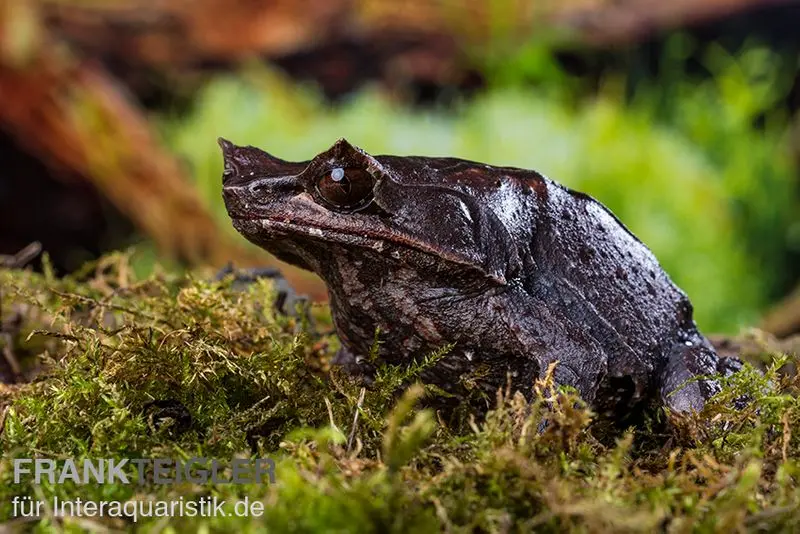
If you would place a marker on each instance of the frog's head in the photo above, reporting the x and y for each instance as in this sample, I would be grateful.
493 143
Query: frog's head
392 209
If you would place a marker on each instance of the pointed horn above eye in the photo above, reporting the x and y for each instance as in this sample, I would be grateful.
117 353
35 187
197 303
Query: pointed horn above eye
342 142
246 155
346 155
225 145
342 148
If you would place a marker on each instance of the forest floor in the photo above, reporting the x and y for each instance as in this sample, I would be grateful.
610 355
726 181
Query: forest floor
108 366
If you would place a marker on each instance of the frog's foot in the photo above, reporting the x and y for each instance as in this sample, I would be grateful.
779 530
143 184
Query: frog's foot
286 298
355 365
247 275
682 389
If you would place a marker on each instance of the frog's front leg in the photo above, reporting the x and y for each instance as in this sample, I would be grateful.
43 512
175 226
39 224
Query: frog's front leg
682 389
354 364
286 298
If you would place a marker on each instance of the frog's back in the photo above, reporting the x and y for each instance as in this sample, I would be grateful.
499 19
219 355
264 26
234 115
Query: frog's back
583 261
609 280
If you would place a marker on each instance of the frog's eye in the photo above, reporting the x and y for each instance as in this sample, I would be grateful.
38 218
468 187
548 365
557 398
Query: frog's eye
346 188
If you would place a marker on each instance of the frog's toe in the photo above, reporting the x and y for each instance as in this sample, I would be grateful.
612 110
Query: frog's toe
354 365
286 298
684 387
729 365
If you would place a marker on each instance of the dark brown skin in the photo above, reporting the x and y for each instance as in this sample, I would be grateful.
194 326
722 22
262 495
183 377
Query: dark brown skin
515 270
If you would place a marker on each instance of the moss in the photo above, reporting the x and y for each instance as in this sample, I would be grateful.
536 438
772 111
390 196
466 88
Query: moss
177 366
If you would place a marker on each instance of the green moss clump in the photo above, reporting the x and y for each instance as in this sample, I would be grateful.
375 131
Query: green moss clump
176 366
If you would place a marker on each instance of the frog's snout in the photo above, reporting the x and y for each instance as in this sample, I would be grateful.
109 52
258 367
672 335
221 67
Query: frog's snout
229 169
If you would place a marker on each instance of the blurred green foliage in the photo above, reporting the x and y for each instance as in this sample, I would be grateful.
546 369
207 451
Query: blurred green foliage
697 167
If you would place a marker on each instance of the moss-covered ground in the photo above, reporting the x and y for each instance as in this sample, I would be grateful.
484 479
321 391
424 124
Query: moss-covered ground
177 366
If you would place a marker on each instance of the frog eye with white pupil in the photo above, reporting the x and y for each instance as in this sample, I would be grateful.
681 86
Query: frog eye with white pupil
346 188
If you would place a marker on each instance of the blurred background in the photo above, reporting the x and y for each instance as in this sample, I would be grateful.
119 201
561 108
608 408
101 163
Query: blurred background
680 116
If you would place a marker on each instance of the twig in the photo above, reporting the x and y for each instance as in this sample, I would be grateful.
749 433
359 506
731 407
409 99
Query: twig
330 416
787 436
17 261
9 356
355 419
21 258
3 420
117 307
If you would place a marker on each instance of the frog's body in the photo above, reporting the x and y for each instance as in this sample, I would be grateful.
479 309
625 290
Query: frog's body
513 269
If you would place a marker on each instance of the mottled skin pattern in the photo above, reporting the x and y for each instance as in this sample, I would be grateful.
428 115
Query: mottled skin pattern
513 269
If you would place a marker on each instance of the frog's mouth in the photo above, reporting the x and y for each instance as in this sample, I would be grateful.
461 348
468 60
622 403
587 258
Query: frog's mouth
299 217
267 229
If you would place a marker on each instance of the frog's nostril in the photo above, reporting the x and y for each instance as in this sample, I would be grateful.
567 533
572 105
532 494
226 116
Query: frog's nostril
230 192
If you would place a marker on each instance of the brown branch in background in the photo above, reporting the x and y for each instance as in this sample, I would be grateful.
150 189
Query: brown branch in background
180 33
175 37
784 319
72 114
21 258
611 23
341 44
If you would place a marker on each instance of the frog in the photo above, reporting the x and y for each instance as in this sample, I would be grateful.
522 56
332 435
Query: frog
518 276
